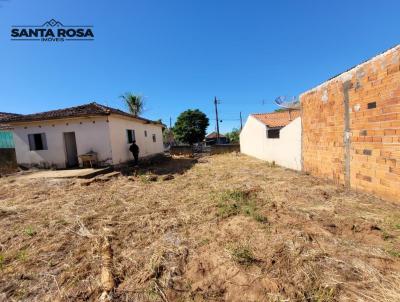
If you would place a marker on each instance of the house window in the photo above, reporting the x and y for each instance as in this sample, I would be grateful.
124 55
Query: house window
145 133
130 134
154 138
273 133
37 141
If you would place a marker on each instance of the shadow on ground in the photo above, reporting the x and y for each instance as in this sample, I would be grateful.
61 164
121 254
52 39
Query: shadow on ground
162 165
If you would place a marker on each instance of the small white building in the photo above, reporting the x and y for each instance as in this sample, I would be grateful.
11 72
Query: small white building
57 138
274 137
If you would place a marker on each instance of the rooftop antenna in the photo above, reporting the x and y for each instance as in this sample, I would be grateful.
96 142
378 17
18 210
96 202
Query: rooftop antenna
288 102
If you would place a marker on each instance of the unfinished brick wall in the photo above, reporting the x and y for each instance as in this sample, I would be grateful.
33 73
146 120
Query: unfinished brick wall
351 127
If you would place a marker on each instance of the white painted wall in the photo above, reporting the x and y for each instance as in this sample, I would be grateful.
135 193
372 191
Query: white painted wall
285 151
91 133
120 147
104 135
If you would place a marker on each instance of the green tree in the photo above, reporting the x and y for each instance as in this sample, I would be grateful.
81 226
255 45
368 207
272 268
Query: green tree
134 102
233 136
190 126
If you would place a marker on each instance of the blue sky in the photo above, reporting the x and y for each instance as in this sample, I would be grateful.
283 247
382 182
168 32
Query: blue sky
180 54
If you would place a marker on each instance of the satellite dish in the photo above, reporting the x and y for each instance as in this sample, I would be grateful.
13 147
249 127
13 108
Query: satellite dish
287 102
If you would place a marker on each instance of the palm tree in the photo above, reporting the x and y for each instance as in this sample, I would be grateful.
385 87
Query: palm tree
134 102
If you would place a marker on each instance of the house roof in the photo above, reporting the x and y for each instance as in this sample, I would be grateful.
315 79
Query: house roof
3 117
78 111
214 135
277 119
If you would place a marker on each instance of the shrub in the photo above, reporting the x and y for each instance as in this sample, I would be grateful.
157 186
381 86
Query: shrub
243 255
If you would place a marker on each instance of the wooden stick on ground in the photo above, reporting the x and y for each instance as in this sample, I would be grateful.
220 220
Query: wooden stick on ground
107 278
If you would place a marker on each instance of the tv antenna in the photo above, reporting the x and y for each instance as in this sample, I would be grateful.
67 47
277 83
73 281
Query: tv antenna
291 103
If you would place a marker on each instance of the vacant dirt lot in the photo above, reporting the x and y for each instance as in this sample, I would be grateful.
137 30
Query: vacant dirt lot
227 228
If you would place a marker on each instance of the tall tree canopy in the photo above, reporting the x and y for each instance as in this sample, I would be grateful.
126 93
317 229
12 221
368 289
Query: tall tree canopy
233 136
190 127
134 102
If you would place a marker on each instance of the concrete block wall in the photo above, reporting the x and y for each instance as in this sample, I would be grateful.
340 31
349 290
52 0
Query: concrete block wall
351 127
220 149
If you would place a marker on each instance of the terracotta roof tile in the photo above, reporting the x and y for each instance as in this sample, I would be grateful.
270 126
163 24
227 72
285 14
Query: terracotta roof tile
78 111
277 119
3 117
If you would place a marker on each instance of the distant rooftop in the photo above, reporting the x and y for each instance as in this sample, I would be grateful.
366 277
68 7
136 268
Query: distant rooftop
214 135
277 119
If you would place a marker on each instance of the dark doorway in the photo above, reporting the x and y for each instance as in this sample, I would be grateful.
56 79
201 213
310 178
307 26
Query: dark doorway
70 149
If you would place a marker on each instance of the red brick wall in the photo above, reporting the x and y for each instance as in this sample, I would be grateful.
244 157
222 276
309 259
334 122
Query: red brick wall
372 161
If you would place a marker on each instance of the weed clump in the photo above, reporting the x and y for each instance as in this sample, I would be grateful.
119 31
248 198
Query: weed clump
323 294
30 231
394 253
235 202
260 218
386 236
271 164
242 255
22 255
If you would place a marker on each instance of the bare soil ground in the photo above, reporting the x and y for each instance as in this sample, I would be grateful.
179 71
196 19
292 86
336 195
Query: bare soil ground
227 228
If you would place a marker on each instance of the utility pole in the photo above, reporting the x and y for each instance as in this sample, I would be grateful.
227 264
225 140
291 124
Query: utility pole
241 124
216 117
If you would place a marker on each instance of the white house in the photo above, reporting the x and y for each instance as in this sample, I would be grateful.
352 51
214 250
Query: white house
57 138
273 137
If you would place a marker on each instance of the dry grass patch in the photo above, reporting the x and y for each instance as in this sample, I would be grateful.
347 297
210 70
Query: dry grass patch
228 228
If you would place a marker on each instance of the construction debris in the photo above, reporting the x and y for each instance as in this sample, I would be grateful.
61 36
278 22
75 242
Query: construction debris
168 177
107 279
151 177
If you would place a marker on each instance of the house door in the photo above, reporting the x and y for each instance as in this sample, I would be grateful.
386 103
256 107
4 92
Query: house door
70 149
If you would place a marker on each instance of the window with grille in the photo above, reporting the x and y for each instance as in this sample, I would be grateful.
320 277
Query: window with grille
130 134
273 133
37 141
